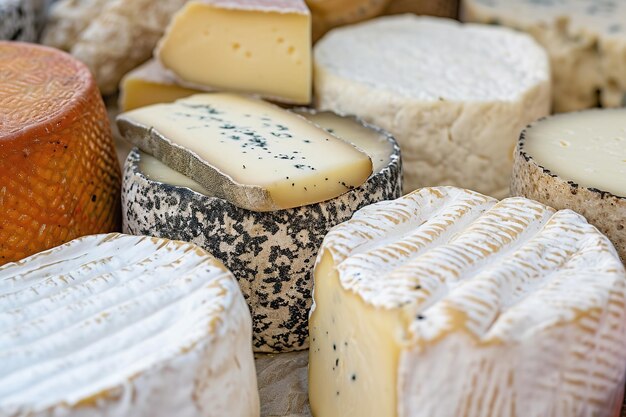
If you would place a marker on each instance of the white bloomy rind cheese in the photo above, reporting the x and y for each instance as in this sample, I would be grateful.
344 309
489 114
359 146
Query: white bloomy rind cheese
271 253
250 46
449 303
454 96
585 40
578 161
117 325
252 153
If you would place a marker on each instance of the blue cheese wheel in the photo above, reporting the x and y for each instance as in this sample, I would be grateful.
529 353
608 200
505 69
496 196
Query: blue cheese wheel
20 20
270 253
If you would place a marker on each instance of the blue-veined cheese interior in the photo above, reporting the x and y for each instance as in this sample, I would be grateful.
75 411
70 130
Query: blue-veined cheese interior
587 148
448 303
373 143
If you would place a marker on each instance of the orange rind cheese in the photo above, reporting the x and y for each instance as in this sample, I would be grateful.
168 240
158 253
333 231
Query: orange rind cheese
59 176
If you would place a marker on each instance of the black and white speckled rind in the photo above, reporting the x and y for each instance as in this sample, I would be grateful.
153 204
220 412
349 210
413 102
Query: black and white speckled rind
271 253
20 20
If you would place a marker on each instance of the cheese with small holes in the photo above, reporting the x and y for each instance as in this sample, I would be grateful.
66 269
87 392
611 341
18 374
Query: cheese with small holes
118 325
270 253
252 153
455 96
150 84
578 161
449 303
59 175
248 46
585 40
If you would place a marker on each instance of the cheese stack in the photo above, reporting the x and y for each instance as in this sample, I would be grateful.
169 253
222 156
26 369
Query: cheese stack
455 96
585 39
270 252
578 161
59 176
250 46
116 325
449 303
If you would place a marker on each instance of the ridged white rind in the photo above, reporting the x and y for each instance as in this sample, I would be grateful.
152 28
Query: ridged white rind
515 308
117 325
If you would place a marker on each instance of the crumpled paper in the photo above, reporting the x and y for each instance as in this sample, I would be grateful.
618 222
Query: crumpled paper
283 384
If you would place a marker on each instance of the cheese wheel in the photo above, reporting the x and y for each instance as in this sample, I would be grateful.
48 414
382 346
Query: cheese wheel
271 253
59 176
117 325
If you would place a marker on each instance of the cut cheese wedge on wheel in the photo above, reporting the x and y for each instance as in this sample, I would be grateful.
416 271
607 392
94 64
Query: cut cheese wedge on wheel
449 303
118 325
247 151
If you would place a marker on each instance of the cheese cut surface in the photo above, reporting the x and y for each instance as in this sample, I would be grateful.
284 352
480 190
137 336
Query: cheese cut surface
455 96
270 253
578 161
59 176
124 325
250 152
150 84
446 302
585 40
262 47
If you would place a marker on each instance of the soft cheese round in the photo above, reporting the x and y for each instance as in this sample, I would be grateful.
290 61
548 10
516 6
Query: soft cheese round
585 39
121 325
578 161
455 96
515 308
270 253
59 175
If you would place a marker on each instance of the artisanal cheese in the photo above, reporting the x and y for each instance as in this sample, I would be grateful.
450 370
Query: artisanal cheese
270 253
20 20
442 8
578 161
455 96
328 14
585 40
116 325
251 46
111 36
252 153
59 177
448 303
150 84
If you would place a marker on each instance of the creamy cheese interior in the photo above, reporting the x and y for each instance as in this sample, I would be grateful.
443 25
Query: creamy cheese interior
371 142
588 148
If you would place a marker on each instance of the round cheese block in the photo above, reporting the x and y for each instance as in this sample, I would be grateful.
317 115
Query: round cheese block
20 20
59 176
455 96
117 325
578 161
449 303
270 253
585 40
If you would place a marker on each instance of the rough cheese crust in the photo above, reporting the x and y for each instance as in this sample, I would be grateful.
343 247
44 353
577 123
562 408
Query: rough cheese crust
101 326
455 96
585 39
604 210
271 254
514 308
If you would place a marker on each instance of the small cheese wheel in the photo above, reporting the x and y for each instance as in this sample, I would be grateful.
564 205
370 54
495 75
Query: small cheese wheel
59 176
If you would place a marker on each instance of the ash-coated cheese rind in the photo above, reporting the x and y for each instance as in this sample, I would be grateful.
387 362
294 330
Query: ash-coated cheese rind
454 96
446 302
247 151
20 20
262 47
585 40
271 253
117 325
577 161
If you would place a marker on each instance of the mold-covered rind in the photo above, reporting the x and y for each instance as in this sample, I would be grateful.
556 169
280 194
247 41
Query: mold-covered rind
604 210
271 253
